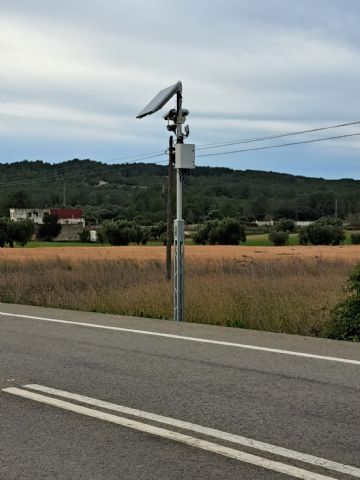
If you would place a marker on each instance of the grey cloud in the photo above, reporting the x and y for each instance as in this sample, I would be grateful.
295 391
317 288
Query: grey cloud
247 66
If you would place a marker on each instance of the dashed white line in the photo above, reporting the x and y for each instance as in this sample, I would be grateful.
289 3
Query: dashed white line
185 338
211 432
174 436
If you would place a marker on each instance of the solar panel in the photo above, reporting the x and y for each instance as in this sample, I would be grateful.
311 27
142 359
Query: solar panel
160 100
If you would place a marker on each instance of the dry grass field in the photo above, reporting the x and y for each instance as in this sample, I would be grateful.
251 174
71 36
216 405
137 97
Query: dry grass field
282 289
346 252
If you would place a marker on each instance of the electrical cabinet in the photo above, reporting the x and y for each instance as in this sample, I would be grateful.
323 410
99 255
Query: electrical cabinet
185 155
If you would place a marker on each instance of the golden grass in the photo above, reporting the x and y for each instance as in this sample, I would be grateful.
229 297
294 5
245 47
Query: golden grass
289 294
209 252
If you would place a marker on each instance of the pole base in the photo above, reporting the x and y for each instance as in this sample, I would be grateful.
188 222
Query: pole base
179 241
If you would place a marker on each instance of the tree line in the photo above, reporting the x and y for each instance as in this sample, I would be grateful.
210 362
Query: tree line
137 192
22 231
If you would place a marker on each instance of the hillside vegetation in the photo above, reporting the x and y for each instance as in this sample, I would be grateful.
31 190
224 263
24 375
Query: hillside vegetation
138 191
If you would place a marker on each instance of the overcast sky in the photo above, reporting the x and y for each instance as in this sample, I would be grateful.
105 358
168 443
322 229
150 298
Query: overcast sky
75 73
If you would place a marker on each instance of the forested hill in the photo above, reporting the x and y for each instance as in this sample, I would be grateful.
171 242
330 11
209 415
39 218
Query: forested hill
138 191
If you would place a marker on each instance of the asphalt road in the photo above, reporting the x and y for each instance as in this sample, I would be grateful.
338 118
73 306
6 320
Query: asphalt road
287 392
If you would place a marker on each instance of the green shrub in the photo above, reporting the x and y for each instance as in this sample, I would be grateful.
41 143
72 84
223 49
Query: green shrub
279 238
19 232
285 225
226 231
50 228
344 321
303 237
22 231
355 238
84 236
201 234
325 231
123 232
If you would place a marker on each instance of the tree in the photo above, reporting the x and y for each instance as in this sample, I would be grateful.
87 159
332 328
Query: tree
3 232
279 238
84 236
201 233
259 207
123 232
19 199
15 232
355 238
117 233
285 210
50 228
303 236
22 231
285 225
325 231
226 231
157 231
214 215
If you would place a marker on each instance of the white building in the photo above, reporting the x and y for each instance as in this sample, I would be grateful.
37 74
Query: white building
66 216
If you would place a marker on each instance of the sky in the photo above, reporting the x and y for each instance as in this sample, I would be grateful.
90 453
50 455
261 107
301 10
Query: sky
74 75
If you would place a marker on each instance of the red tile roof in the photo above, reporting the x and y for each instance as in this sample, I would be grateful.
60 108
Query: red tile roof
66 213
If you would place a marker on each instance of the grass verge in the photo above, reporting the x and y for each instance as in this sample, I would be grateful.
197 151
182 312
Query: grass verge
288 295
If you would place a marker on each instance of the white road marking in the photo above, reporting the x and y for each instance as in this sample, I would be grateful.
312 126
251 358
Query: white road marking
170 435
211 432
189 339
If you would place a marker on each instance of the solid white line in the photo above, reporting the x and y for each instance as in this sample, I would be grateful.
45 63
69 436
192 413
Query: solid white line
189 339
247 442
170 435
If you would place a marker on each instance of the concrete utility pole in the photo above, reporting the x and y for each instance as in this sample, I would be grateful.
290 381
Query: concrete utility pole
179 224
169 207
184 160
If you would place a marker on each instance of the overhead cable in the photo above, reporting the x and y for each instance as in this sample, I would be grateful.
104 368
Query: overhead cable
268 147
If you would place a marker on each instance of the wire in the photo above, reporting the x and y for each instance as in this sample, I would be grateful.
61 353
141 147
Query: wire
71 174
267 147
272 137
279 145
145 156
138 156
70 168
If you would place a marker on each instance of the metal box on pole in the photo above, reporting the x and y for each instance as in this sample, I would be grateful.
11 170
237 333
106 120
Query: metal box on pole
185 156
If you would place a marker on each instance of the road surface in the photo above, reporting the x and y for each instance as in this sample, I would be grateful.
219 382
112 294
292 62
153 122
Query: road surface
92 396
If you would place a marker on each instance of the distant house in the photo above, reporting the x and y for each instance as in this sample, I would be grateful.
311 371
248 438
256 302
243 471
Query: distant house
71 219
69 216
66 216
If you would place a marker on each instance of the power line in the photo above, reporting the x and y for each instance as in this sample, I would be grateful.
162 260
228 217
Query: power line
145 156
272 137
68 171
279 145
137 157
244 140
71 174
267 147
70 168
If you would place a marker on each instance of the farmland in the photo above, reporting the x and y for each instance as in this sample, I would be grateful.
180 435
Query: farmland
348 253
284 289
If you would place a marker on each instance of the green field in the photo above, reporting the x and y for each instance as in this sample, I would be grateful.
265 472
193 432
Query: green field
261 240
36 244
